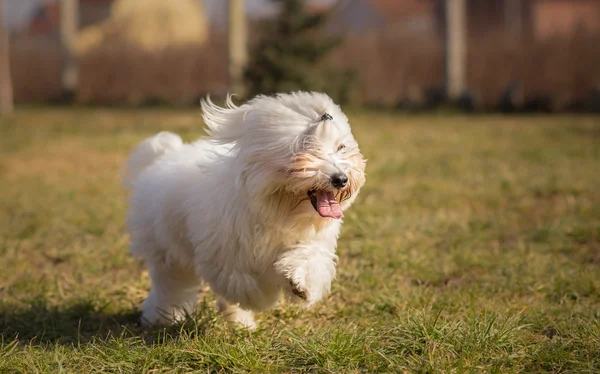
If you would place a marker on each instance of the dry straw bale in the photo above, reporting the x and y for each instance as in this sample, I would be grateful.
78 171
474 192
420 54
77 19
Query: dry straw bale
149 25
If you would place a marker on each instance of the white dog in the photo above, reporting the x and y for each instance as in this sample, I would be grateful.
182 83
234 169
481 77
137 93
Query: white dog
254 209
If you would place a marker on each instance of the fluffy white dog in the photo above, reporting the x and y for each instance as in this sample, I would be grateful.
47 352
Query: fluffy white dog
254 209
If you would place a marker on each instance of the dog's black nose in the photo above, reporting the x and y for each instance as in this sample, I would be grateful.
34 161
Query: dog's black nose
339 180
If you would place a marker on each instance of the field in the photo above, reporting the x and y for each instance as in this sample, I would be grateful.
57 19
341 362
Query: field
474 246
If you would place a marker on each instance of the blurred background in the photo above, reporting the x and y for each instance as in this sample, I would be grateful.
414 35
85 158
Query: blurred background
474 244
477 55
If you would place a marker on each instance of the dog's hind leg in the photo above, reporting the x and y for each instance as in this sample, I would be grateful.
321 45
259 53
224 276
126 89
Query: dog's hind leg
233 313
173 295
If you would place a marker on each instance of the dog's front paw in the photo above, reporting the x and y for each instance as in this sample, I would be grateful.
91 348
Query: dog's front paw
307 274
299 291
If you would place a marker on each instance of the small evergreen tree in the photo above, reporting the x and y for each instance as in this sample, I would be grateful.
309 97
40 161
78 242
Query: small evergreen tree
290 54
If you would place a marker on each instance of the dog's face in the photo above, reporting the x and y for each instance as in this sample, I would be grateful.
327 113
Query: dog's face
298 146
326 169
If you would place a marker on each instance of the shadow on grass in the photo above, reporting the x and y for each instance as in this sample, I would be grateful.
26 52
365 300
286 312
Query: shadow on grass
85 321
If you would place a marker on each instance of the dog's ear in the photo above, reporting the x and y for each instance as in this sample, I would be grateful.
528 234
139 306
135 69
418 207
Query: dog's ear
225 124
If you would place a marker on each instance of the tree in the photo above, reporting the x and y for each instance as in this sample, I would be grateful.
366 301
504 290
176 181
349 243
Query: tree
291 53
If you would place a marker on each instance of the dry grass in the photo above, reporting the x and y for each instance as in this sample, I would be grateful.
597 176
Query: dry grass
473 247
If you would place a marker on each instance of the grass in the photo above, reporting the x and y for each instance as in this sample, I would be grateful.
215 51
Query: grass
474 247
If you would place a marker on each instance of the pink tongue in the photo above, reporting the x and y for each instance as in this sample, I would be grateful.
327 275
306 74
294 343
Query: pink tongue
327 205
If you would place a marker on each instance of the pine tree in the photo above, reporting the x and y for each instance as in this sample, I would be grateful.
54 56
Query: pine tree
291 52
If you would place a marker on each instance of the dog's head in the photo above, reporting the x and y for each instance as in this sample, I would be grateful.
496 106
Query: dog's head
326 166
297 146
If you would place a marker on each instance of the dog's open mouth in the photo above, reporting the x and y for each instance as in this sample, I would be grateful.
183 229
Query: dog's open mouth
325 204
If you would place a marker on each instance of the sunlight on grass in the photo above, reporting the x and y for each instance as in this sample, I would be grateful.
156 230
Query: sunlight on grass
474 246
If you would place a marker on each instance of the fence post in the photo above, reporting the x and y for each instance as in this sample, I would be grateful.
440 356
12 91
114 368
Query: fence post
237 45
456 48
69 23
513 19
6 92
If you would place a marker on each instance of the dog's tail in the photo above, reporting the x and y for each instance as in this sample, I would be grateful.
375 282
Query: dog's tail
146 153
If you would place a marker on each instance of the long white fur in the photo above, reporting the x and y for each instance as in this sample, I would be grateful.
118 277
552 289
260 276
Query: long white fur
230 208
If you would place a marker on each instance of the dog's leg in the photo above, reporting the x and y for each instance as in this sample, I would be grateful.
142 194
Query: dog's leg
233 313
309 272
173 295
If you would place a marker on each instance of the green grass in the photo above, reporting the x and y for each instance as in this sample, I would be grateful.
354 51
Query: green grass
474 246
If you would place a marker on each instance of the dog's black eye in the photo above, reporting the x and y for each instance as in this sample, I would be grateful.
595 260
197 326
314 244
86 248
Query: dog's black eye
340 147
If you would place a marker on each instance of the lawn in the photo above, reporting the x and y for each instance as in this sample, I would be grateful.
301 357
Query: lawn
474 246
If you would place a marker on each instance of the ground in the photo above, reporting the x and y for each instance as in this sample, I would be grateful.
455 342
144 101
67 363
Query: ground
474 246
